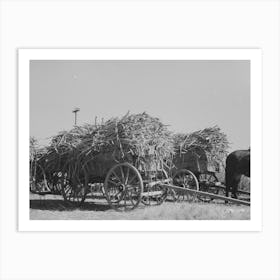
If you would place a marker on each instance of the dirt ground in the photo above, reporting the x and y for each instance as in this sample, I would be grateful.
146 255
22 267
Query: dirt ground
52 207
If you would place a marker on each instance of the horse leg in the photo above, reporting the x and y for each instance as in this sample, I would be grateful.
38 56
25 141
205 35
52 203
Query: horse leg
235 185
227 192
228 181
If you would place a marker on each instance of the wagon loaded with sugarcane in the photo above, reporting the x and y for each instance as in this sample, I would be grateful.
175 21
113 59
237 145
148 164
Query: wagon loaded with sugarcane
135 158
129 156
201 156
200 160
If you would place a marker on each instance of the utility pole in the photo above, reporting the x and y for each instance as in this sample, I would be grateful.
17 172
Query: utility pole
75 111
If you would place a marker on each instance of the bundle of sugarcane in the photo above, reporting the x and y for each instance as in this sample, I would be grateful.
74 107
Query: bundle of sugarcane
211 140
32 148
138 135
64 148
67 141
35 151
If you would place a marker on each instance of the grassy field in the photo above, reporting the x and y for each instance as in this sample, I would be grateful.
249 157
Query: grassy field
52 207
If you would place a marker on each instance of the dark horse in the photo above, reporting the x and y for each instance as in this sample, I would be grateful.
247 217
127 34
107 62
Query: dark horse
237 164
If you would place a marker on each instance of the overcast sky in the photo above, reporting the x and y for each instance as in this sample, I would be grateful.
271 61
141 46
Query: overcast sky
187 95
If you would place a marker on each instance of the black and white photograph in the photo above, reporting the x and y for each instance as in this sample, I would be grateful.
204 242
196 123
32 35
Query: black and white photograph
140 139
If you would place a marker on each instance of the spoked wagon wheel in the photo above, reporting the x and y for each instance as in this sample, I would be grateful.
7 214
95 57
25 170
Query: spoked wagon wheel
123 187
207 183
154 193
186 180
74 189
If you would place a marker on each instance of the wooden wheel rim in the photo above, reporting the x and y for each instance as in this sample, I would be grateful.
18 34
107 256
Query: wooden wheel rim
123 187
187 180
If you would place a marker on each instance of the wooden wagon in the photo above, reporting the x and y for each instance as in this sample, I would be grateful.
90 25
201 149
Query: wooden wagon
201 171
127 181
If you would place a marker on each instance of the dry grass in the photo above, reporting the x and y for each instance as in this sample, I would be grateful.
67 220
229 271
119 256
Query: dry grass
53 208
197 211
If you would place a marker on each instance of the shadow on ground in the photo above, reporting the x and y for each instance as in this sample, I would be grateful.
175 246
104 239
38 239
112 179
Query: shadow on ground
61 205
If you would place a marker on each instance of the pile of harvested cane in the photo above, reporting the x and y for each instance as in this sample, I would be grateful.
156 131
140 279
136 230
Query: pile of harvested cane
138 135
35 151
32 148
211 140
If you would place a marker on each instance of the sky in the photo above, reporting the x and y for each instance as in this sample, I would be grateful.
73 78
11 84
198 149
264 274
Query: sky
188 95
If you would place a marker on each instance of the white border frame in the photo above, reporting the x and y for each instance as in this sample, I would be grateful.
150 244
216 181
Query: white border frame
24 57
